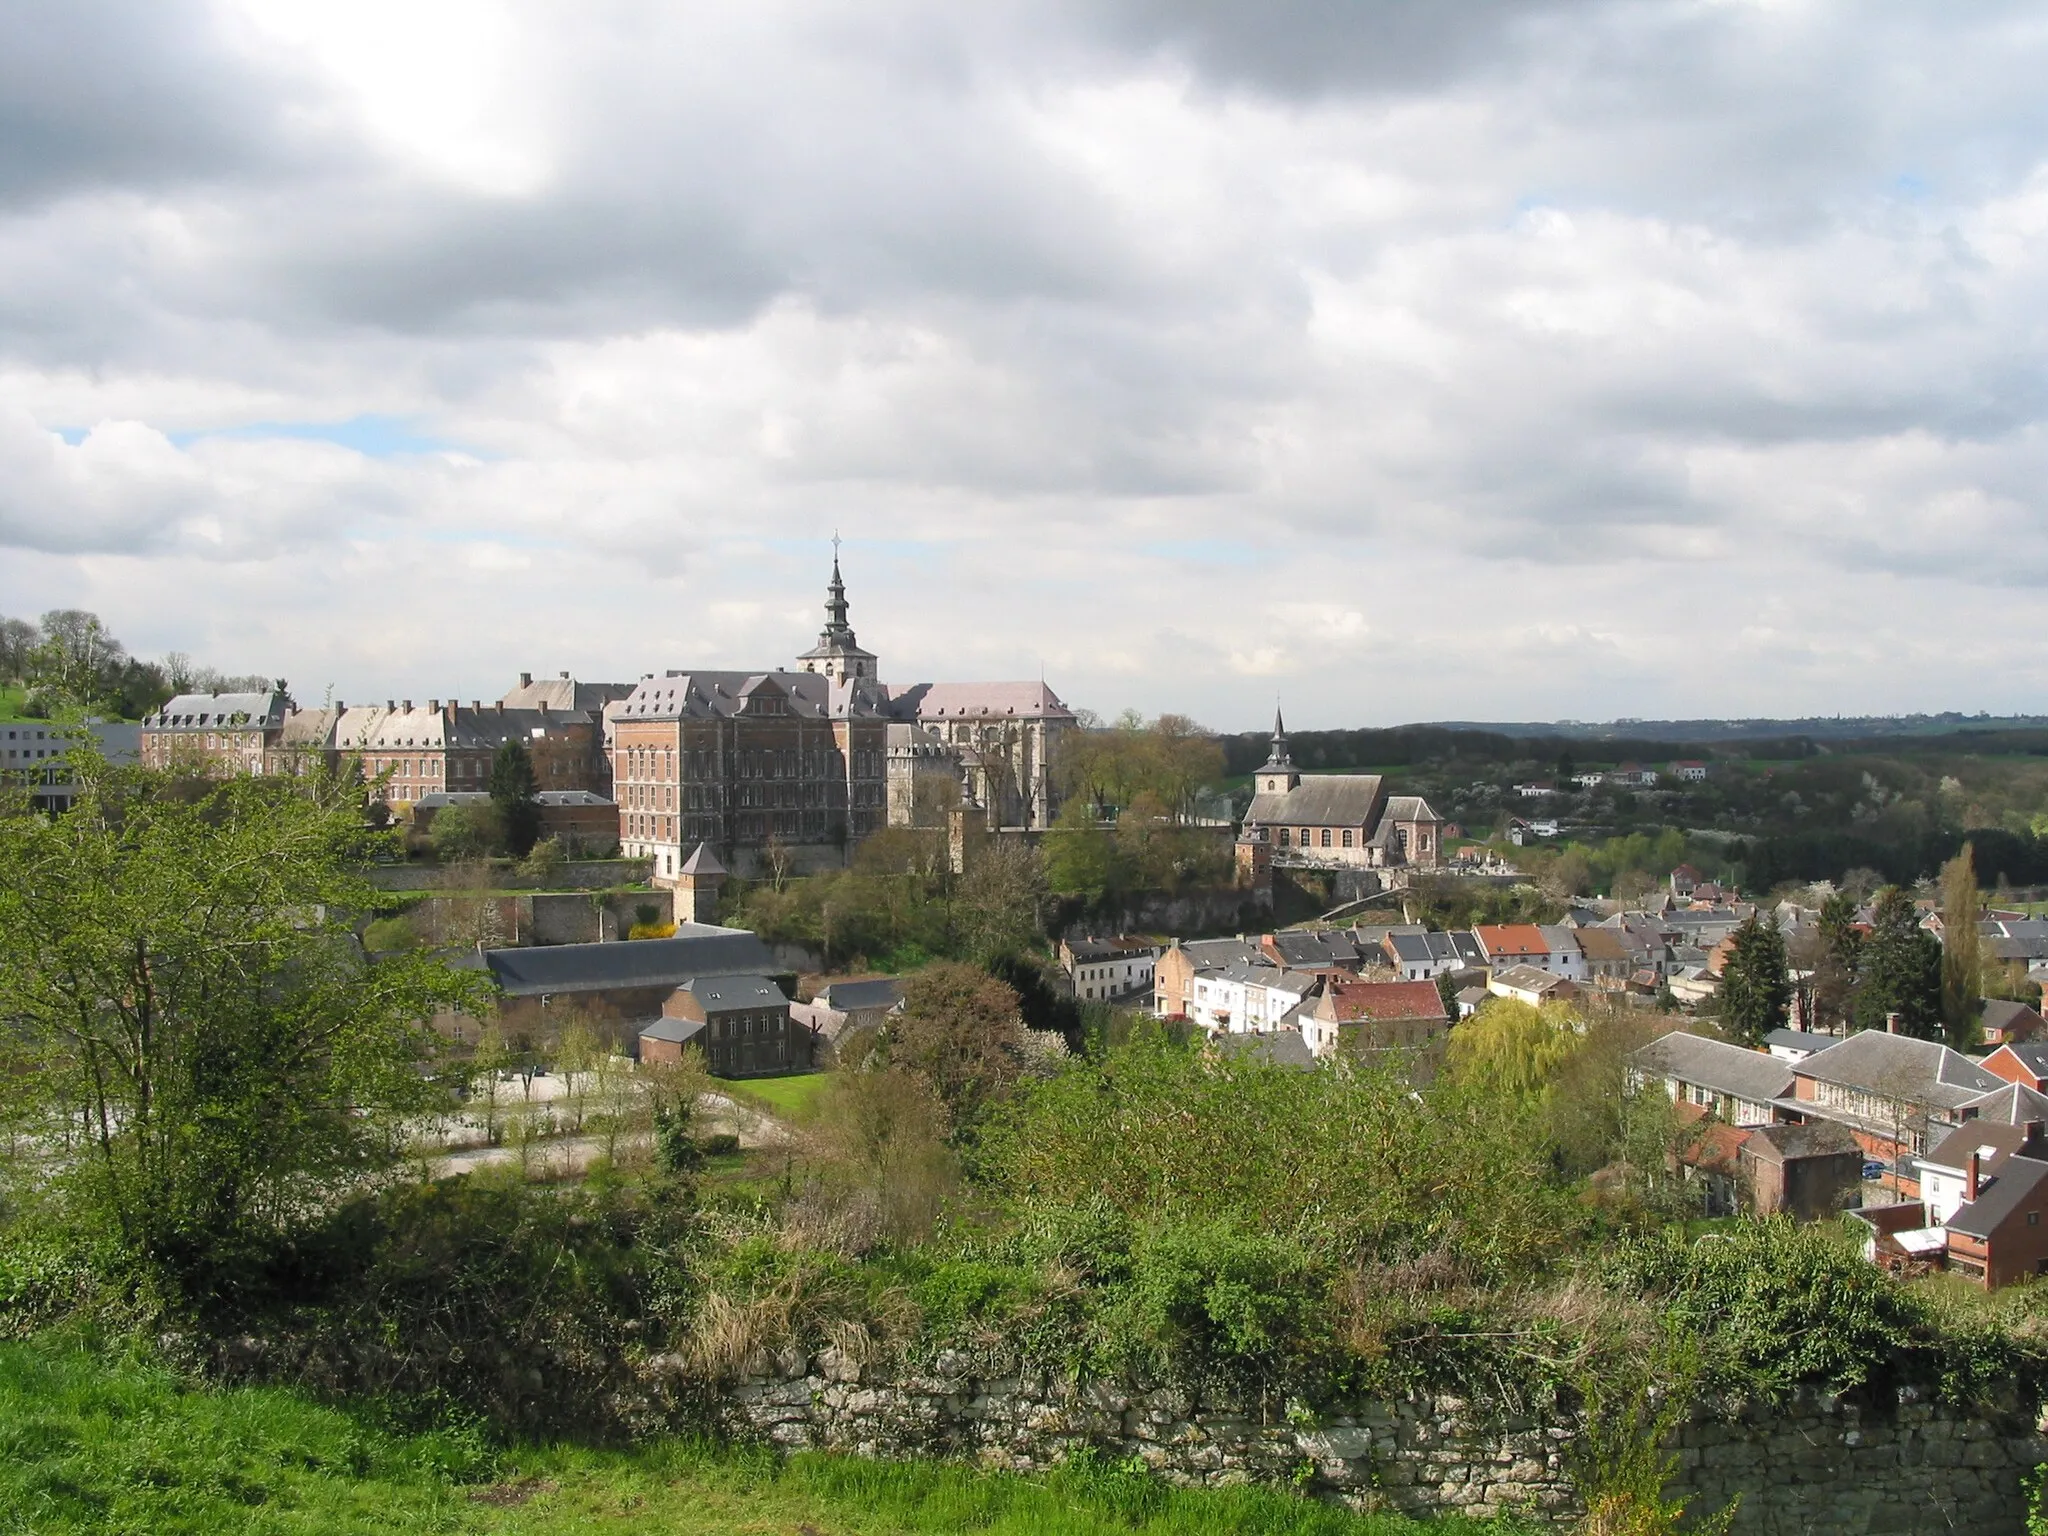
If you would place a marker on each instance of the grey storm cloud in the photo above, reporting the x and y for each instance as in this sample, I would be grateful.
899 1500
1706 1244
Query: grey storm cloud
1153 316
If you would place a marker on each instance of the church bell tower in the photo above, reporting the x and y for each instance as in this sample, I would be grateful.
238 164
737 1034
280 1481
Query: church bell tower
837 654
1278 774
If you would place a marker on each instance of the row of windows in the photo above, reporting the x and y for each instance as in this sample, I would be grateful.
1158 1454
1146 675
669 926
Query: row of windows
1305 838
658 763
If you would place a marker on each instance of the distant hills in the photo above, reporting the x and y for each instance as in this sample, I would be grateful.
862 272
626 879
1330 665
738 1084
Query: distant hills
1812 727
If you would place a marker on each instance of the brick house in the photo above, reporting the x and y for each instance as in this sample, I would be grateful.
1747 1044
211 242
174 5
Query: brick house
447 748
1896 1094
1173 975
749 763
741 1023
1375 1016
620 985
224 733
2025 1063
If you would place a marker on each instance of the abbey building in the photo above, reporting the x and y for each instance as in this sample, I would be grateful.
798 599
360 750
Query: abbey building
794 768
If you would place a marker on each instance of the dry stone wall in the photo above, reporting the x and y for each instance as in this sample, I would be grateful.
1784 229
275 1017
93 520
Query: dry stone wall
1819 1464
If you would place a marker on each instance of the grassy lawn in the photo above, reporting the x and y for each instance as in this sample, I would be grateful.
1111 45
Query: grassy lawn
788 1096
11 700
89 1444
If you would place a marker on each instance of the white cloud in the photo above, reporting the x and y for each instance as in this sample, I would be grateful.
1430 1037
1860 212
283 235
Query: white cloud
1417 362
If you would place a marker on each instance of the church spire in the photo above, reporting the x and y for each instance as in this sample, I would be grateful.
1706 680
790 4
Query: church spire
835 602
1278 758
837 654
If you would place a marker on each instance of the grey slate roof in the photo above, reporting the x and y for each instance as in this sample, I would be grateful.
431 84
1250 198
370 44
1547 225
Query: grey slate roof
935 703
1321 800
1715 1064
1818 1138
216 711
732 994
1299 947
675 1031
698 949
1994 1140
702 862
2017 1186
2014 1104
1801 1040
848 996
1901 1067
706 695
1214 954
1280 1047
2002 1014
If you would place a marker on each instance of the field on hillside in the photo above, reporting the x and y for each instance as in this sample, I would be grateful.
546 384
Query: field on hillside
93 1444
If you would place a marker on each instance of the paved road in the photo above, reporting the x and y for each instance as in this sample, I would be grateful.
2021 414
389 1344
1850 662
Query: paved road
568 1156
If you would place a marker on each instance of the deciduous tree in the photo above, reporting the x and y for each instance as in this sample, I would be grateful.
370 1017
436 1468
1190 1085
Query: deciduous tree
178 959
1962 951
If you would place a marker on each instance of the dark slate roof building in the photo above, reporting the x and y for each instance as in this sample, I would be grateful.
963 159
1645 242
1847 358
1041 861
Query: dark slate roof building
698 949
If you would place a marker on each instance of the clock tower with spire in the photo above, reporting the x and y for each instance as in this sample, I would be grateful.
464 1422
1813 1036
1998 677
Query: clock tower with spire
837 654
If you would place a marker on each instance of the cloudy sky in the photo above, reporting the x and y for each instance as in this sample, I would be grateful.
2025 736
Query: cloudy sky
1401 359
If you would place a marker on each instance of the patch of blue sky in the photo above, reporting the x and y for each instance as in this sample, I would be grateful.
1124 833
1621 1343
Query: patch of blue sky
375 437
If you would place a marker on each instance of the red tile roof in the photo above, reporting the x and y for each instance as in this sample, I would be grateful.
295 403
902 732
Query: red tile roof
1354 1002
1512 940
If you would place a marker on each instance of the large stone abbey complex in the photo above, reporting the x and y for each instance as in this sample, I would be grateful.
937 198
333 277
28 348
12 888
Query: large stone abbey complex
805 763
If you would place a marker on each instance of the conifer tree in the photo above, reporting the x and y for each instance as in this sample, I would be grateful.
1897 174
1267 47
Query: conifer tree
1900 971
516 793
1755 990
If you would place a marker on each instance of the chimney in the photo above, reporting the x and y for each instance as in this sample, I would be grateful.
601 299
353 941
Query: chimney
499 706
543 706
1891 1023
391 704
1976 1175
2032 1146
477 705
434 705
526 679
339 706
565 677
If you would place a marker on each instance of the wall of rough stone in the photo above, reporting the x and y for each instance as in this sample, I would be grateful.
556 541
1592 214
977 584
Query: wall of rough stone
1819 1464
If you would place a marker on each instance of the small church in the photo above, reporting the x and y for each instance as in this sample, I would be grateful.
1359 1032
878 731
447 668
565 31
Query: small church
1337 819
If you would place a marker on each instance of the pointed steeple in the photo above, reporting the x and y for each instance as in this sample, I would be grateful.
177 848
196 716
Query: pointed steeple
837 654
1278 757
1278 775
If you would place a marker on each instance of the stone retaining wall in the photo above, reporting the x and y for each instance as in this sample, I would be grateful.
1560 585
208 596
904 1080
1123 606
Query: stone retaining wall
1819 1465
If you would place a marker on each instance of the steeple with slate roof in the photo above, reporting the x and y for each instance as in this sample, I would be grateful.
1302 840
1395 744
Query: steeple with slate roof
838 655
1279 774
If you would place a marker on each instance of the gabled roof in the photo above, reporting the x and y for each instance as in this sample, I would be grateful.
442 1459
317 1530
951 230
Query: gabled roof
2003 1015
698 949
1512 940
1817 1138
1715 1064
1529 978
1601 946
2017 1186
1993 1141
2031 1054
944 703
1321 800
1352 1002
1300 947
730 994
1901 1067
219 711
1801 1040
2013 1104
675 1031
1214 954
